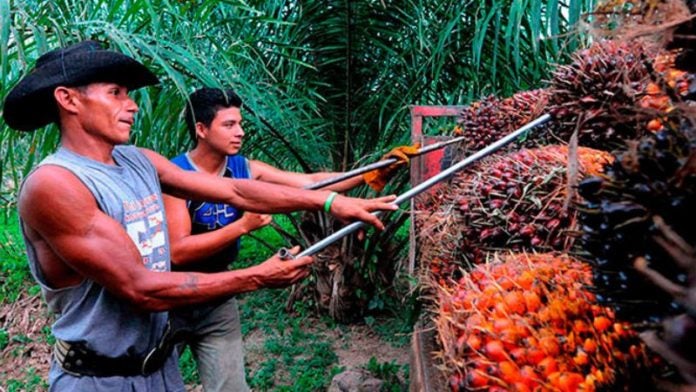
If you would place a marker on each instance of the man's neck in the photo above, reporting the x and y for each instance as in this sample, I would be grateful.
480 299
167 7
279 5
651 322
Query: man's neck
206 160
95 149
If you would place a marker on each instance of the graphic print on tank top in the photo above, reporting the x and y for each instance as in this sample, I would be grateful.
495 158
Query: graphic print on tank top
212 216
144 224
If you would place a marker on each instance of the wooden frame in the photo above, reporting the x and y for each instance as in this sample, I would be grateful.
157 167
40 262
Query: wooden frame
425 166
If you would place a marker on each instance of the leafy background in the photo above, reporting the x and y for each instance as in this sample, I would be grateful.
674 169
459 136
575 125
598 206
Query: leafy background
332 80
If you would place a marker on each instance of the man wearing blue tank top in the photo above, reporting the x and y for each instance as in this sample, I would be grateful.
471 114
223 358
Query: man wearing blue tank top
93 222
205 236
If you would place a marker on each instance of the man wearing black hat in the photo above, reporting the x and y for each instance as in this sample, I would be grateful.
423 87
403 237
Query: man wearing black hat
95 231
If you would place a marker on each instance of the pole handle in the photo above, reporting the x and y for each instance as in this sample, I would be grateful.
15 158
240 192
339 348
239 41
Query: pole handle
285 255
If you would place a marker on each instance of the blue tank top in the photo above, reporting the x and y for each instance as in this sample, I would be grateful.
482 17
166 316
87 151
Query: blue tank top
209 216
130 193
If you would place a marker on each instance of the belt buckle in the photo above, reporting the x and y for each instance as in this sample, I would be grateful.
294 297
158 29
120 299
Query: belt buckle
158 355
149 362
62 352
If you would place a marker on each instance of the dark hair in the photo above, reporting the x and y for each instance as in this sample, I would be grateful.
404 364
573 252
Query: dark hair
204 104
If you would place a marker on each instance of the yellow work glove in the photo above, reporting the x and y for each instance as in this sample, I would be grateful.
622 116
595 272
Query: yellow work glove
378 178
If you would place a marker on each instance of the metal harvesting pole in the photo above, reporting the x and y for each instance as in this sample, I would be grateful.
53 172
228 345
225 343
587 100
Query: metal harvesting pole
353 227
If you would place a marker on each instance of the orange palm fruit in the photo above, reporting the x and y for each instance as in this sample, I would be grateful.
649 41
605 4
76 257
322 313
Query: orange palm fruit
495 350
601 323
654 125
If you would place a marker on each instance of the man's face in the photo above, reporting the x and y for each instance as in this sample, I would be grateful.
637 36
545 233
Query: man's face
107 111
225 133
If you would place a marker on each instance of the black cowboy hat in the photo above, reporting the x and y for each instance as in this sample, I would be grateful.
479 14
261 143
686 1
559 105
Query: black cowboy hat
30 104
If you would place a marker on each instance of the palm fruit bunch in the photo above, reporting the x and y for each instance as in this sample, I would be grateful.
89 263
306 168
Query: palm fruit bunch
655 177
637 223
669 87
515 201
599 92
491 118
528 323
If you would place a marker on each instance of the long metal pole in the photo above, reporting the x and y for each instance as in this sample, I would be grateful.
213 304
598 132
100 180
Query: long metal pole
379 165
353 227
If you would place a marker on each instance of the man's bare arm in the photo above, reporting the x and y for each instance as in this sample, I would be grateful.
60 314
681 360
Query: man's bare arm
265 172
57 208
257 196
189 248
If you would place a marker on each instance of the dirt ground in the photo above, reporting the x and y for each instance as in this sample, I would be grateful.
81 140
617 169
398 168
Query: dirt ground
27 353
25 322
353 347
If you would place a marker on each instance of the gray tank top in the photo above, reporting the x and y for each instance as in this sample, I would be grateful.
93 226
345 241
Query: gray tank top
130 193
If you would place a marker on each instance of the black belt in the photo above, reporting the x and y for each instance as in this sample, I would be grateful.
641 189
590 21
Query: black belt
79 360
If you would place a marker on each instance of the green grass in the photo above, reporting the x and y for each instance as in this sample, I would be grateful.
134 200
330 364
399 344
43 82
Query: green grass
31 382
187 367
14 269
389 373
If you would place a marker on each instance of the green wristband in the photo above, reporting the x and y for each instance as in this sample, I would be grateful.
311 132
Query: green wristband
329 200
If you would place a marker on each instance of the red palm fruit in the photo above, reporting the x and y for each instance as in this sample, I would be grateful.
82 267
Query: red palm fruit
535 355
519 355
495 350
473 342
525 281
654 125
509 372
589 346
581 358
532 300
549 344
515 302
569 382
476 379
501 324
456 382
521 386
547 366
529 376
601 323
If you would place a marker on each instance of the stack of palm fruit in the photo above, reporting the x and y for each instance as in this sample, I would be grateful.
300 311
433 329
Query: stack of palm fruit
515 201
633 229
605 94
528 323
